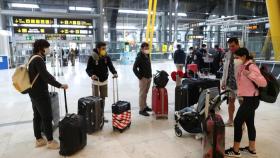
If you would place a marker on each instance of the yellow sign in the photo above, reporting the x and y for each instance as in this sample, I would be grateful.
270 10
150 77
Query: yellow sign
74 31
32 30
29 20
164 48
80 22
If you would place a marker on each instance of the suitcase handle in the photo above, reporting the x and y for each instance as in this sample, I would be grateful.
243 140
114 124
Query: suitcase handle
114 94
207 103
65 99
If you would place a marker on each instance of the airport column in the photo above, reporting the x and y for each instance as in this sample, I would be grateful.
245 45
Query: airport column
273 9
2 18
100 22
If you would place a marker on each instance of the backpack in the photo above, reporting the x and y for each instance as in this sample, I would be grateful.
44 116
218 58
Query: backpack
269 93
161 79
20 78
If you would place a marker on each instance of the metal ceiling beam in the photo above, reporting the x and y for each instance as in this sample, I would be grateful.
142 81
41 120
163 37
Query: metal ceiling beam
47 14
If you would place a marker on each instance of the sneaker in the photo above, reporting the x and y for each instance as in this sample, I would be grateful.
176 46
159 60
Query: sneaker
248 151
229 124
231 153
144 113
148 109
53 145
40 142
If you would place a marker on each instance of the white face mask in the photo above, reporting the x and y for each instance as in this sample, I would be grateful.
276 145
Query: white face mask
238 62
47 51
146 51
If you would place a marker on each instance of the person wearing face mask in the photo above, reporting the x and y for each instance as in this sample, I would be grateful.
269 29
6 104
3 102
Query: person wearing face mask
143 70
39 94
97 69
190 57
249 78
228 81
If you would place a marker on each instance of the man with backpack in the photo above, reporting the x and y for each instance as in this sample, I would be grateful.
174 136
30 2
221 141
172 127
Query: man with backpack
34 81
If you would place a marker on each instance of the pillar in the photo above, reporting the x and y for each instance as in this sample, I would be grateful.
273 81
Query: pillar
273 9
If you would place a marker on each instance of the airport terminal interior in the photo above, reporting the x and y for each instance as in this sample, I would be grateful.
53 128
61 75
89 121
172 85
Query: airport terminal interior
127 32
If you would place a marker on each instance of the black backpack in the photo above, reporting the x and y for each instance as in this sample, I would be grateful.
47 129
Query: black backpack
161 79
269 93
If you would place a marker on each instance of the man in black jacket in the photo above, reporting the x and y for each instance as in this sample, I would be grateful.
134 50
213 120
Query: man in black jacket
97 70
143 71
179 58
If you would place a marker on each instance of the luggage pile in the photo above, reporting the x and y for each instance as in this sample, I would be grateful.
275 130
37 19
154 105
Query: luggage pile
160 95
188 92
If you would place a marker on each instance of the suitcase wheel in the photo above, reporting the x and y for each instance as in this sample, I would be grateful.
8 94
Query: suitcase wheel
178 132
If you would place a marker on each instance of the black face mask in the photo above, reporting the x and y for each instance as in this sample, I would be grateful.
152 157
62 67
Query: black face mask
44 58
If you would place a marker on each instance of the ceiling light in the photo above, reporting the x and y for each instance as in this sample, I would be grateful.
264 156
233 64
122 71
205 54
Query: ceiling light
21 5
80 8
182 14
133 11
53 10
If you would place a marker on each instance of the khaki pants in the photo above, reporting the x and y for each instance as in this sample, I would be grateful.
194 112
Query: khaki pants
103 91
144 86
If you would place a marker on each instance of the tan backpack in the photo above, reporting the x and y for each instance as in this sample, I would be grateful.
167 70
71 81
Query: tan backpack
20 78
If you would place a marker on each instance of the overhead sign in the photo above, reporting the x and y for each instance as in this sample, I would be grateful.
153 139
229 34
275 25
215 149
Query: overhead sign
76 22
33 30
32 20
55 37
76 31
252 27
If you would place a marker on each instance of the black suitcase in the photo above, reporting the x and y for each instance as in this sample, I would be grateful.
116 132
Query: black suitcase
121 112
72 133
64 62
188 93
92 108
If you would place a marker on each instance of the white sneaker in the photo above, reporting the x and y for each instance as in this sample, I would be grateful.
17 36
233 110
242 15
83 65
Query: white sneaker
40 142
53 145
229 124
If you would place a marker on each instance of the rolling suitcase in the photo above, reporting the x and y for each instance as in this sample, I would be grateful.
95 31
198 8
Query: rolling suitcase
72 133
92 109
214 133
55 109
193 68
64 62
160 102
121 112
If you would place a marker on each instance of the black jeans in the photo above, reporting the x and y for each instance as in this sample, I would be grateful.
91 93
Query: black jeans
246 113
42 116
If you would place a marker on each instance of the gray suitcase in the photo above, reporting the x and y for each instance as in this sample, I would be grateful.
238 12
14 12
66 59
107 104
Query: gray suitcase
55 108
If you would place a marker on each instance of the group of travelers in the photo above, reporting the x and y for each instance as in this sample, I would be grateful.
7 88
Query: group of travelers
240 75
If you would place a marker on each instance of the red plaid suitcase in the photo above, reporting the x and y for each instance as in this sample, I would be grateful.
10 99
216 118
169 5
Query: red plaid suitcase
121 112
160 102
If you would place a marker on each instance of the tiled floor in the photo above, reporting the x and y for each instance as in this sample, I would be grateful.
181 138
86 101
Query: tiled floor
147 137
